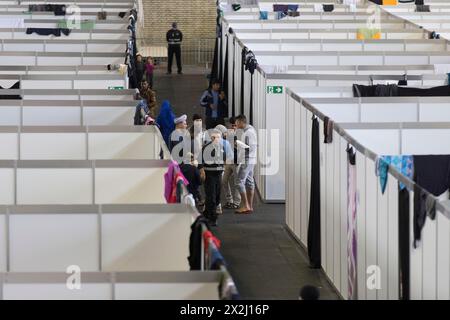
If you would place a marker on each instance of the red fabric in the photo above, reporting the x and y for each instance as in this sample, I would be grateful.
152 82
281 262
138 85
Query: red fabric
207 236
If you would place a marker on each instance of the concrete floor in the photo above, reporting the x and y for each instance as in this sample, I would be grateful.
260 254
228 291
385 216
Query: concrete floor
264 260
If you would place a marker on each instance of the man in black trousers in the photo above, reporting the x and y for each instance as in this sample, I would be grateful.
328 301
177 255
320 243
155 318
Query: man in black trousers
174 39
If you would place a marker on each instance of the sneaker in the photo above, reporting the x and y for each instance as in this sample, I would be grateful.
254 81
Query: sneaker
219 209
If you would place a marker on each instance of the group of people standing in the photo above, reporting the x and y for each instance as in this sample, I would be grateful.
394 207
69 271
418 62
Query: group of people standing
213 154
221 159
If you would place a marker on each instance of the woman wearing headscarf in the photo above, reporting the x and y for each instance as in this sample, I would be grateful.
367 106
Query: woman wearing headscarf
166 121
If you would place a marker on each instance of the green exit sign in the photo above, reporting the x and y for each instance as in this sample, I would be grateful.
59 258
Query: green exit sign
275 89
115 88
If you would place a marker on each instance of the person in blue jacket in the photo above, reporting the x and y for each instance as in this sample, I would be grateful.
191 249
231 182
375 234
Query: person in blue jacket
215 104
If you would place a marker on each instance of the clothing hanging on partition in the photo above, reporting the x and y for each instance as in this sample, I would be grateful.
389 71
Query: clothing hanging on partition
57 9
15 86
351 225
233 89
314 241
243 55
432 173
403 164
225 71
195 243
49 31
328 126
404 243
392 90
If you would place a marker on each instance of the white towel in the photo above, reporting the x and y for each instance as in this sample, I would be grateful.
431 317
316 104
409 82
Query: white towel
318 7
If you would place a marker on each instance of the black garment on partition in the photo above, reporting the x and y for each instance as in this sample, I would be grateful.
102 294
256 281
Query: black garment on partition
195 243
392 90
225 72
57 9
328 7
215 64
314 241
432 173
233 89
418 92
404 244
15 86
49 31
244 53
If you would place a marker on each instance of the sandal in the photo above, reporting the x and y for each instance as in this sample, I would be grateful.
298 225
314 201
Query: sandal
244 212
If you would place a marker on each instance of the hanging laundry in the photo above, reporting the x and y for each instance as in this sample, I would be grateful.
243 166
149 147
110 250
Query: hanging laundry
227 288
432 173
328 126
293 14
195 242
403 164
404 243
263 15
428 92
368 34
48 31
351 224
15 86
280 15
314 241
122 14
422 8
328 7
171 179
13 23
121 68
102 15
57 9
280 8
236 7
318 7
389 2
83 25
209 237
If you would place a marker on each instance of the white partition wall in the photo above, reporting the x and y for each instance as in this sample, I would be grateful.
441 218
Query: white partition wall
82 182
81 143
96 238
113 286
66 113
377 214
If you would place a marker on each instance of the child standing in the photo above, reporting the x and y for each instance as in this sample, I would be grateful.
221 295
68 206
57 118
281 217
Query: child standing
149 68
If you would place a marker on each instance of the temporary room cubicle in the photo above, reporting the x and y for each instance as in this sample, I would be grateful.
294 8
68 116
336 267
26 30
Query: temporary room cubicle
34 58
82 143
267 110
63 45
108 238
370 242
72 94
30 182
113 286
75 34
122 251
66 112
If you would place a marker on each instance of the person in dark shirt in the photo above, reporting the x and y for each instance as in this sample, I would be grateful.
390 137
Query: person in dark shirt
192 174
214 102
215 155
140 68
174 38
